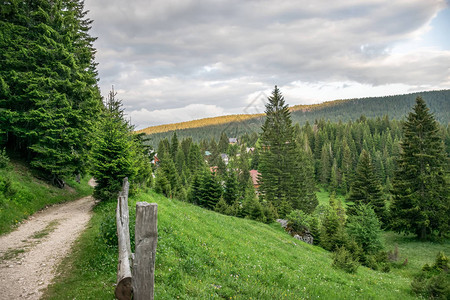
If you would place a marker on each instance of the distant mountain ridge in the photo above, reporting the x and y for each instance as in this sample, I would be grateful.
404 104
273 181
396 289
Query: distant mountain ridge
230 118
395 107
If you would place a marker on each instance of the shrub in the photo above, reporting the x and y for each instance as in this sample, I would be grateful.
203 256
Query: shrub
365 228
221 206
4 159
433 281
301 222
343 259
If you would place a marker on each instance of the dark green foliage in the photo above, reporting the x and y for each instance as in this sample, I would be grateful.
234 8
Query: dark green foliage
301 223
4 159
343 259
231 191
332 231
174 146
210 191
168 170
434 281
194 193
162 184
269 212
252 208
223 143
49 99
421 202
195 161
116 153
366 188
282 172
364 227
255 160
221 207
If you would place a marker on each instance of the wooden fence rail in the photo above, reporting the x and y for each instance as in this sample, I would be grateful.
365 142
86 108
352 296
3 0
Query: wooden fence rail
139 282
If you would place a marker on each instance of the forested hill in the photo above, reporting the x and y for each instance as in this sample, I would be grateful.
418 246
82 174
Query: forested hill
395 107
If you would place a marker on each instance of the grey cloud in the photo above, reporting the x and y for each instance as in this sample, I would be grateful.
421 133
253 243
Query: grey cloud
172 53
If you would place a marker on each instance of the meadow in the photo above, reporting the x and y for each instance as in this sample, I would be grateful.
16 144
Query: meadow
205 255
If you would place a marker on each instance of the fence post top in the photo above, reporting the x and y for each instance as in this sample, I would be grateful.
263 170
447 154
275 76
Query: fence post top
146 204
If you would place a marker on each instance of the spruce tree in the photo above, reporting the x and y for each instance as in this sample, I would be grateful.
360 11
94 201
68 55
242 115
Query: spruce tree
231 192
210 191
174 146
49 91
112 154
366 187
282 173
223 143
421 202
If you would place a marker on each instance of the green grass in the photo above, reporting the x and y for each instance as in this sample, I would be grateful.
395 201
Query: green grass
323 197
205 255
417 253
21 194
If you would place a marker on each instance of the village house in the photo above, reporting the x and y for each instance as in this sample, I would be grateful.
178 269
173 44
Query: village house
232 141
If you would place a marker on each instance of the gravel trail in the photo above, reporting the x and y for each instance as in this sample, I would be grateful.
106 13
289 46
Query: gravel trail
30 254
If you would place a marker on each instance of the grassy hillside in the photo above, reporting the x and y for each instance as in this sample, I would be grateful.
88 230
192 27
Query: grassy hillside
396 107
21 194
205 255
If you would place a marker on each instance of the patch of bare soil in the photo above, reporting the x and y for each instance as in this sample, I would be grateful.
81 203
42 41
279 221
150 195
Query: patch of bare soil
30 254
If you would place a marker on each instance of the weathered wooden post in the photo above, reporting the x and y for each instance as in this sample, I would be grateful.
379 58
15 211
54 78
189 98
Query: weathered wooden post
146 238
124 283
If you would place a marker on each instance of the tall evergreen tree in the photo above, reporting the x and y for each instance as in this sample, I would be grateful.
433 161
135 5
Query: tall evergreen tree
49 91
366 187
223 143
421 202
174 146
112 155
231 193
210 191
280 160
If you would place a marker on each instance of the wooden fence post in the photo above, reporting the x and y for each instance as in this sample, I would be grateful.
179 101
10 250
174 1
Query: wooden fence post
146 238
123 289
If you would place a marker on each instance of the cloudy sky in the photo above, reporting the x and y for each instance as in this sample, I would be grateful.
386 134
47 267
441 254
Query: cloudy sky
178 60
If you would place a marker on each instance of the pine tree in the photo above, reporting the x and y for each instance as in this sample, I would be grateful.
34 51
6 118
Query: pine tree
174 146
221 207
112 154
168 168
223 143
366 187
280 162
195 161
421 202
325 165
255 160
49 91
210 191
231 192
195 192
162 184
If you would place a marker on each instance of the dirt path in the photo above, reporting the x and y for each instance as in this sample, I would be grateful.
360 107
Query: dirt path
30 254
